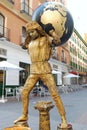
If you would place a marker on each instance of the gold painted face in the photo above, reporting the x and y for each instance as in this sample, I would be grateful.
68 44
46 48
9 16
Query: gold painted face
33 34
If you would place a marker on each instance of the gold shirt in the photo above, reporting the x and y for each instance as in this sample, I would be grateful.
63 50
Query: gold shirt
40 52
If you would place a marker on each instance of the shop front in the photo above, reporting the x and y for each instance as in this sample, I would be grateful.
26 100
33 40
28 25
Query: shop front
16 55
58 69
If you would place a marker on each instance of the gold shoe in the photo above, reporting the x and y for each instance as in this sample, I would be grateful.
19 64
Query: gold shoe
63 125
22 118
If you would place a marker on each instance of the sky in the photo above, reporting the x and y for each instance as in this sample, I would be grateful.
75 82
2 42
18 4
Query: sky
78 10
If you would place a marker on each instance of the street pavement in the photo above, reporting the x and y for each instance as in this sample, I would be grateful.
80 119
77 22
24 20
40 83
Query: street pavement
75 105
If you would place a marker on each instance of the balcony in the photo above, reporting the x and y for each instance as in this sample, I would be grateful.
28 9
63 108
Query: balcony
4 32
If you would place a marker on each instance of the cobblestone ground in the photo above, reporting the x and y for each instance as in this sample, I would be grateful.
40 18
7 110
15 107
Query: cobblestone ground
75 105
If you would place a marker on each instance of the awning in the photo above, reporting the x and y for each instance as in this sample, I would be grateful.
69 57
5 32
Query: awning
74 72
56 72
71 76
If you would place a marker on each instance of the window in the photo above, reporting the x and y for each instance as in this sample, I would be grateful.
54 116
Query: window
25 7
3 52
62 1
11 1
2 19
4 32
54 53
24 34
63 56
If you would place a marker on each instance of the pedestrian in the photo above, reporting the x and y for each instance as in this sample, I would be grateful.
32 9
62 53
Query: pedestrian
39 45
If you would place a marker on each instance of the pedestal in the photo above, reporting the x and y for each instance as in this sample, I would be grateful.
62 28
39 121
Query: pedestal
69 127
19 126
44 117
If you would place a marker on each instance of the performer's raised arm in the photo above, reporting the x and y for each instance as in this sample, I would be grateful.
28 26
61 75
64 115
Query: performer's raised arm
49 29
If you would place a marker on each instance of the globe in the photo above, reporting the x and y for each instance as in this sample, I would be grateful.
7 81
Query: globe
54 15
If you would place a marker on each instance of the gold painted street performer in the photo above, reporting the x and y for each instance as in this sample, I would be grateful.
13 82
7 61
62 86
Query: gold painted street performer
39 45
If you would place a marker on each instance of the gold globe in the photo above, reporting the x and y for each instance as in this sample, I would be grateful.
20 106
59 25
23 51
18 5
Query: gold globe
53 15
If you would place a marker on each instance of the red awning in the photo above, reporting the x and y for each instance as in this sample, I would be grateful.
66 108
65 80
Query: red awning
73 72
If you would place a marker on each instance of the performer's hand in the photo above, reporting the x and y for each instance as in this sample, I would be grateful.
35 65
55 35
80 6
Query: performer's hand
24 47
25 44
53 34
56 38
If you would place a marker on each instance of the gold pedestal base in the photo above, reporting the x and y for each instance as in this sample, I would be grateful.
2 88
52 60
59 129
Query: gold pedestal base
17 128
69 127
22 123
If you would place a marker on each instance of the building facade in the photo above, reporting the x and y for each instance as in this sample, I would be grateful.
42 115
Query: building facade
78 56
14 14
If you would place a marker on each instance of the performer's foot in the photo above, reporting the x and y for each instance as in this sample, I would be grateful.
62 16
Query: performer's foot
63 125
22 118
64 122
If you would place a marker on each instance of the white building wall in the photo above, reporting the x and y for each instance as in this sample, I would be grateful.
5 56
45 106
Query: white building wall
15 54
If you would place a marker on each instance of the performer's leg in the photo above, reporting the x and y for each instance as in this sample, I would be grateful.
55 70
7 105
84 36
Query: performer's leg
49 80
30 82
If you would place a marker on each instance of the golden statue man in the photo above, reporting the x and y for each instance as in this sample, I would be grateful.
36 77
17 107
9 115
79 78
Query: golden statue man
39 45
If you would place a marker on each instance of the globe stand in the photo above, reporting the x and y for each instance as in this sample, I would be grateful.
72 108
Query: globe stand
69 127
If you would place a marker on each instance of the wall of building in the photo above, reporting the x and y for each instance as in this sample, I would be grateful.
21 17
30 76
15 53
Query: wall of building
60 69
14 21
15 55
63 54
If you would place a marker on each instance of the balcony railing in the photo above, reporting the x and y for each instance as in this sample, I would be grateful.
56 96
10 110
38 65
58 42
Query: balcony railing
4 32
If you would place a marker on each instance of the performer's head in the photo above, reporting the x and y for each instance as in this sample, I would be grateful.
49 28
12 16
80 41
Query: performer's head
32 25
